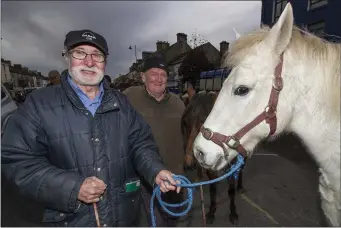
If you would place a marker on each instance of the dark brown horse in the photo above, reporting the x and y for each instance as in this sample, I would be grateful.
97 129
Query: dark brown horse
196 112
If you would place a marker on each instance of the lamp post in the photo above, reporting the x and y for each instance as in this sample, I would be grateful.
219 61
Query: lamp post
130 47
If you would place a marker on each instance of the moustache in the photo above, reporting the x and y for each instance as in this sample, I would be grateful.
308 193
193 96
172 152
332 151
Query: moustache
82 68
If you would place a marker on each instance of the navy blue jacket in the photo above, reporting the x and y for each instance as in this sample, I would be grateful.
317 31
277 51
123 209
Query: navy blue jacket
52 143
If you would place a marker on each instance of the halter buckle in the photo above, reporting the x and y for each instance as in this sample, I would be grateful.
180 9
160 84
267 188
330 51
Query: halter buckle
269 112
207 133
277 84
235 142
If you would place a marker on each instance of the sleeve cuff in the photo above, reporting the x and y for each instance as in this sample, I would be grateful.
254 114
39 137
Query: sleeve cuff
74 204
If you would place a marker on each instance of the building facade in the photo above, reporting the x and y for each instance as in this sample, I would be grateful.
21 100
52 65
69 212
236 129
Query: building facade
174 55
5 71
18 77
163 48
212 54
321 17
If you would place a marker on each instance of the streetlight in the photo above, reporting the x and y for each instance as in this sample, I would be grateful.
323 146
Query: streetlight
130 47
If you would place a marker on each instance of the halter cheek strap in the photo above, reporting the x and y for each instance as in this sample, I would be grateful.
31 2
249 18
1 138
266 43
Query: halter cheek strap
269 115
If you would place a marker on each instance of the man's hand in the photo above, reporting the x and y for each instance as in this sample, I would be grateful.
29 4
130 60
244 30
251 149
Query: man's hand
162 180
91 189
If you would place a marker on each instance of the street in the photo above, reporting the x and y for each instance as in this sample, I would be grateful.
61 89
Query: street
281 183
280 179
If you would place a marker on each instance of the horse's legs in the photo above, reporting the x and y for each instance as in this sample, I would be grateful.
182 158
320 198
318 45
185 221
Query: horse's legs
213 197
200 174
232 193
240 188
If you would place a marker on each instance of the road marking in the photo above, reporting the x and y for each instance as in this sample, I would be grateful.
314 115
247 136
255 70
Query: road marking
248 200
260 154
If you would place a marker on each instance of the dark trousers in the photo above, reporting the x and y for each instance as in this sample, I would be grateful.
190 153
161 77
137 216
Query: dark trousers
163 219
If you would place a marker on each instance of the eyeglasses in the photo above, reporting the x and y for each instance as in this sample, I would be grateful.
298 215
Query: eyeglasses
78 54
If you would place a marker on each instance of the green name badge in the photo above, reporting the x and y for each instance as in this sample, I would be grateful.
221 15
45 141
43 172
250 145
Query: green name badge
132 186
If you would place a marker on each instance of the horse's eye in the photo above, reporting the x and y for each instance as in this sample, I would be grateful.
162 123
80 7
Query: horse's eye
241 91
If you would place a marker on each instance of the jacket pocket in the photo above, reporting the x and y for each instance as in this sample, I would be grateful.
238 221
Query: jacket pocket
57 218
129 206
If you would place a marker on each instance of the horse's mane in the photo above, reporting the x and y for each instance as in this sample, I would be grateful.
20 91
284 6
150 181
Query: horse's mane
307 47
198 109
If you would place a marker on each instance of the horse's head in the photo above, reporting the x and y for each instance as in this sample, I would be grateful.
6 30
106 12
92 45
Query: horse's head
245 95
193 118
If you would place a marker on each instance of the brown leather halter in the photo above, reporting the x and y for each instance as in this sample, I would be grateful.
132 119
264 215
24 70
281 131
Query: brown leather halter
269 115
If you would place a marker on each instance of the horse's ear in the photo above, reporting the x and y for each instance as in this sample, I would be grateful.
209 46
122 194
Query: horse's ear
236 34
280 34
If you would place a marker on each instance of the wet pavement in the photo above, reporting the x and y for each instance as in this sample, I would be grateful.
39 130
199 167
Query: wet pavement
281 182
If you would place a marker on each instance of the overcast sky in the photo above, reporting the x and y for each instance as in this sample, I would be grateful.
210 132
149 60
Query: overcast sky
33 32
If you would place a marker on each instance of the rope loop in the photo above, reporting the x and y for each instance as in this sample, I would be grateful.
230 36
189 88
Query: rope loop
185 183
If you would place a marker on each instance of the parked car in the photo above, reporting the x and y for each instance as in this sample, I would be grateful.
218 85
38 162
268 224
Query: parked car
8 106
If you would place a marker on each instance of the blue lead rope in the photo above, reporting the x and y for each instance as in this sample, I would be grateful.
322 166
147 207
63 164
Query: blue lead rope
185 183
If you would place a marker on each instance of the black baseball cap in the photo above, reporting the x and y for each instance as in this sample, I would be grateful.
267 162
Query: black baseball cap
86 36
155 62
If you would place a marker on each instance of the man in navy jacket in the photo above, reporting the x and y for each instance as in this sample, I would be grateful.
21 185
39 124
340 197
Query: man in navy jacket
79 143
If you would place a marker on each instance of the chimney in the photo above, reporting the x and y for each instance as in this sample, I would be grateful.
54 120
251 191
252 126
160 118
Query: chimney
146 54
160 45
181 38
165 45
224 46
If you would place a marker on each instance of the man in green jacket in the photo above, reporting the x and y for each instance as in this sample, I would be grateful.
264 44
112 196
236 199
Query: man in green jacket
162 110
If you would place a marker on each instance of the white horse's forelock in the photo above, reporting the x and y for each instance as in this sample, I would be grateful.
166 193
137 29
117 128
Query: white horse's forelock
307 47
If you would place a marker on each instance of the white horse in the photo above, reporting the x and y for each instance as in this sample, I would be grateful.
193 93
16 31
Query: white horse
283 79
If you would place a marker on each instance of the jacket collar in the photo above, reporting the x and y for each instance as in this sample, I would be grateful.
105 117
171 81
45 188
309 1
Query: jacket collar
164 99
109 101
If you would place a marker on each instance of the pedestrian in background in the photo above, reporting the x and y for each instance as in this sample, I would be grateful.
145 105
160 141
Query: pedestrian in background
54 78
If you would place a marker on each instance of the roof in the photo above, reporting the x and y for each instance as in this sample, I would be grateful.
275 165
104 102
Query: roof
163 52
181 57
160 52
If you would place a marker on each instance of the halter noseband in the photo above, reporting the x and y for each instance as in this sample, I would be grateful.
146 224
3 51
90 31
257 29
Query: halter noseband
269 115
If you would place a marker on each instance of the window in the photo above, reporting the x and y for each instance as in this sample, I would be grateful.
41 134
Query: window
317 28
314 4
278 8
